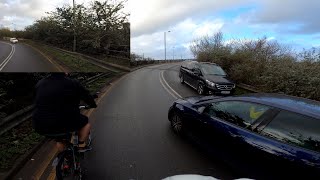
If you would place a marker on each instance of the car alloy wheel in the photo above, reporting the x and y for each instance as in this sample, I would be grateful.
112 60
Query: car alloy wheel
176 123
200 89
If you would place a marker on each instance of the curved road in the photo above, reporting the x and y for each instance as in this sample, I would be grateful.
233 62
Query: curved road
23 58
132 135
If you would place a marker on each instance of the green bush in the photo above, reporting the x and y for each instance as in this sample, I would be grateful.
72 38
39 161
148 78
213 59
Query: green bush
266 65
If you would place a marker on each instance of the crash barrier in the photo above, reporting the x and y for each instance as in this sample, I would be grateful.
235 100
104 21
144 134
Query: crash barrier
24 114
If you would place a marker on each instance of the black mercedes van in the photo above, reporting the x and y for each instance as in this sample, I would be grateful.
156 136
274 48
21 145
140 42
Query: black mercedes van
206 78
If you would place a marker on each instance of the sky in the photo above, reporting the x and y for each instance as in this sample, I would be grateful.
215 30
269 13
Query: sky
293 23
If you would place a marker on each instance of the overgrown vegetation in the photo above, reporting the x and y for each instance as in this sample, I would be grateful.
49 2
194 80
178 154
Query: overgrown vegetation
266 65
17 142
98 84
137 60
101 29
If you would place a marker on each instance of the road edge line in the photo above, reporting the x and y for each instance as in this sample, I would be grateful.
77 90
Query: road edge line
8 55
164 86
45 164
55 64
177 94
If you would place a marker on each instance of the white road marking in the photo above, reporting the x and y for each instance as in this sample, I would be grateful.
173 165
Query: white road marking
5 62
164 80
167 87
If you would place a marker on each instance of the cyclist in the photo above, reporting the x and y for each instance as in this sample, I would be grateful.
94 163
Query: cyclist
57 111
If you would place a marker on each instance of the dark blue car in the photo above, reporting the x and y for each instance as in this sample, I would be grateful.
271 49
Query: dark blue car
266 135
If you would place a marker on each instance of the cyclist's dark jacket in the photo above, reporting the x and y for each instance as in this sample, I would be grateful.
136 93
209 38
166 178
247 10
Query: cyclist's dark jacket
57 104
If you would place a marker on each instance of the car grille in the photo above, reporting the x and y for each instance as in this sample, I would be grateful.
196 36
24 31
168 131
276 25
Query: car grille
227 87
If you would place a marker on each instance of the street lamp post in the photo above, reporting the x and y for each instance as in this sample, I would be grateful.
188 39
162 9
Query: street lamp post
165 45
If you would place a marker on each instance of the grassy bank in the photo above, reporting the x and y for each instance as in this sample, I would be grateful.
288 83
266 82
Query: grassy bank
17 142
74 63
98 84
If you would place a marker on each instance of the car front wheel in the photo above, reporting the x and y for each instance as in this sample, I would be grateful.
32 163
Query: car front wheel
176 123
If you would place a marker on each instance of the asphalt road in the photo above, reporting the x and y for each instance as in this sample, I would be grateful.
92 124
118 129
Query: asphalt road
22 58
132 135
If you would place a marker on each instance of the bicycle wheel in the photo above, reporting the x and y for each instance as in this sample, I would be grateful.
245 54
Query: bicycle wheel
65 168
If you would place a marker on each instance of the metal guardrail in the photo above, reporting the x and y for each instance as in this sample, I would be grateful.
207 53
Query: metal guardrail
15 119
24 114
94 78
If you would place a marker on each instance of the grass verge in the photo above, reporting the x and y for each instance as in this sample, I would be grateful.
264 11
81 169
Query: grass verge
75 63
17 142
98 84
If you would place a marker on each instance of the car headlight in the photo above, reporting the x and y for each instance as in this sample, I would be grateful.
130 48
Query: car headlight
210 83
234 86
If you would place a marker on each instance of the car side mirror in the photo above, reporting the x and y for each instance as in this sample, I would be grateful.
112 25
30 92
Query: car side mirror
201 109
197 72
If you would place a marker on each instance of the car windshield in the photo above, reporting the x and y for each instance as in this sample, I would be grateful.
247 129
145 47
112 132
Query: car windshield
212 69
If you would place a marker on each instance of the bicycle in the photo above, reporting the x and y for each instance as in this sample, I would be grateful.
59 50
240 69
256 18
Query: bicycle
67 162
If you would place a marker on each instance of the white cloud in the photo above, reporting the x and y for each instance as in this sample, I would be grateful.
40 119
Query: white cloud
180 36
271 38
303 14
209 28
149 16
20 13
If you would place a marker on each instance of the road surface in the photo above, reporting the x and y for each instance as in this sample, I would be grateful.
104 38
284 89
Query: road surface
23 58
132 135
132 138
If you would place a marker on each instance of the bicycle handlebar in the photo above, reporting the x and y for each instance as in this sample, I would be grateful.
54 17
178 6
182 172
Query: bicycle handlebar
95 96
